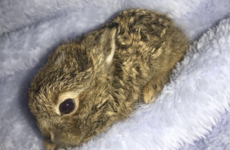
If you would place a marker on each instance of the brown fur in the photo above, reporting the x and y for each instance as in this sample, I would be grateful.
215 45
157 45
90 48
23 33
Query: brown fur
105 85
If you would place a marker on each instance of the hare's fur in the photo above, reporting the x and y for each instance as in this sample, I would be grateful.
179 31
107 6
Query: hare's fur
106 73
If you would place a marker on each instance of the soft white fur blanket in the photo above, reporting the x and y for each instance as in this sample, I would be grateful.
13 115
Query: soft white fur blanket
192 113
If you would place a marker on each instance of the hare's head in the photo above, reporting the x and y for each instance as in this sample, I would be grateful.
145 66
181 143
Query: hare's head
68 95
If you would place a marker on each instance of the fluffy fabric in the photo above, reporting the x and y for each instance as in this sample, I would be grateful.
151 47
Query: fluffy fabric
192 113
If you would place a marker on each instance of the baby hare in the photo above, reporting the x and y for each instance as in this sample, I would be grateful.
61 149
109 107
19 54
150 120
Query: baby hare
88 85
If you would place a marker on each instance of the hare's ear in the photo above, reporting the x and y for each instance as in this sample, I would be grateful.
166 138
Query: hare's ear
109 42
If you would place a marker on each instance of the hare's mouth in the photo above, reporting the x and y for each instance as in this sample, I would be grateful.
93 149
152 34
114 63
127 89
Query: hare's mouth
52 146
58 143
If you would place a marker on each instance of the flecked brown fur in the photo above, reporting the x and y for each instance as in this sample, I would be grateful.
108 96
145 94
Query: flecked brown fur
106 72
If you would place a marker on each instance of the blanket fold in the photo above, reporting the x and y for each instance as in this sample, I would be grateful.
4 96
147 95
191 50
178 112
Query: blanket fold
192 112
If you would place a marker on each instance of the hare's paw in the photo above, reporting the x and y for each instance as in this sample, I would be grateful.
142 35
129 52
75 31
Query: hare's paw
49 146
152 90
149 94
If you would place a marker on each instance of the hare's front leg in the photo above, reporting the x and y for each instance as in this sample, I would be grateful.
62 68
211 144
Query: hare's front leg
153 88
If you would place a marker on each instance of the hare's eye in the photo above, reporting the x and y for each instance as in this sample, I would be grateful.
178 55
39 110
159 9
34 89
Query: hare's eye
67 106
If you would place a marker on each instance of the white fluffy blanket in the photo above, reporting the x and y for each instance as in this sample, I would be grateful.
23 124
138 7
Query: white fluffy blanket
192 113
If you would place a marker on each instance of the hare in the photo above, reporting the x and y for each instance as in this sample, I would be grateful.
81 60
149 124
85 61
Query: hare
89 84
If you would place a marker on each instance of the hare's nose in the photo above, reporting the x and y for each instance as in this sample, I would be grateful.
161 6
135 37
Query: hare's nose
49 138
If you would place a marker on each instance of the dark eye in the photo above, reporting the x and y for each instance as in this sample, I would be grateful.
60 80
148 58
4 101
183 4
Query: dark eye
67 106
